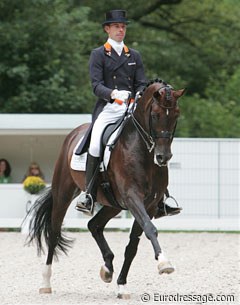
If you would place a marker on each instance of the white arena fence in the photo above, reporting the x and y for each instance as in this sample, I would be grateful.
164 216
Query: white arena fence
204 177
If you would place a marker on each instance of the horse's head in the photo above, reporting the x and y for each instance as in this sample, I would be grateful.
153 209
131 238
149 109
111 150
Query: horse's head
161 111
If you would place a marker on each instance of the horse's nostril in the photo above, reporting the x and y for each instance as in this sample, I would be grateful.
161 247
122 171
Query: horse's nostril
159 158
163 158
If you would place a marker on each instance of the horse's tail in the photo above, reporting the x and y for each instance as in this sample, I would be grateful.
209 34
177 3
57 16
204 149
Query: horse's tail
41 225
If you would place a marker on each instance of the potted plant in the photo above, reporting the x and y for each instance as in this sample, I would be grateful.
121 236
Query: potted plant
33 184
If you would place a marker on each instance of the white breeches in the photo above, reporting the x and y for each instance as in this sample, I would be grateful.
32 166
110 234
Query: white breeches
110 114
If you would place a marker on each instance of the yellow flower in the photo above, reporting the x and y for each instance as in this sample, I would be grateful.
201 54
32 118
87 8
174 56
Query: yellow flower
33 184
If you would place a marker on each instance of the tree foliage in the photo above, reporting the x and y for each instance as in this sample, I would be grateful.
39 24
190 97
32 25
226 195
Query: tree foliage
45 51
45 47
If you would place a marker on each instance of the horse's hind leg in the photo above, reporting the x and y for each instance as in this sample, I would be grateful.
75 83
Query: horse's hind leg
61 198
129 255
96 226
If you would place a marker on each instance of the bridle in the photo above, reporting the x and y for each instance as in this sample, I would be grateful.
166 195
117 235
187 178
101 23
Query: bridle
150 138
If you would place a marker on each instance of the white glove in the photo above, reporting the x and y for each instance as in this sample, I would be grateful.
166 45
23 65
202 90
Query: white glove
138 94
122 95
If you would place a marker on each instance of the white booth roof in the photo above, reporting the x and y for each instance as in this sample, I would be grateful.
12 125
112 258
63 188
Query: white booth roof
41 123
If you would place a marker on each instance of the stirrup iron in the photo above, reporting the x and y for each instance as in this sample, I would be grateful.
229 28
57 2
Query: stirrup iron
81 207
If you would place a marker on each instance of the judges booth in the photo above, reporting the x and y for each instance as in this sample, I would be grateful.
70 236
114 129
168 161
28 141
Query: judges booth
35 137
25 138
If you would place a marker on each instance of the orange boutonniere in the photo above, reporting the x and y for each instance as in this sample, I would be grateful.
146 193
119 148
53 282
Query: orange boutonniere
126 50
108 49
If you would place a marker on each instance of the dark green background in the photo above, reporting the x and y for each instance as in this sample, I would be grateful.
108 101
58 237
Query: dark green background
45 47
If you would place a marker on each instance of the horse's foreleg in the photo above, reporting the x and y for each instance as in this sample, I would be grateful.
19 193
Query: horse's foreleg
96 226
143 219
164 265
129 255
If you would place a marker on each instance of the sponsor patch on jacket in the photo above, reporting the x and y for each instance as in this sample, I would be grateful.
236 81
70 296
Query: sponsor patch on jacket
131 63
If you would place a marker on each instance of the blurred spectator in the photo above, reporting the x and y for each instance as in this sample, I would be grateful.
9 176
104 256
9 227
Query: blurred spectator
5 171
34 170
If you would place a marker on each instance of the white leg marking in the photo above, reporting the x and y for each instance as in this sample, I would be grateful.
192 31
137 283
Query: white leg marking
164 265
123 293
46 276
162 258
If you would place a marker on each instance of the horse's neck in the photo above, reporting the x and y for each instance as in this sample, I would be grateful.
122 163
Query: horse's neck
134 139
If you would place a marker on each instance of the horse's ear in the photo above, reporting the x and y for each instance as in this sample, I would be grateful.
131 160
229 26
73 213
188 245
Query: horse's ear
179 93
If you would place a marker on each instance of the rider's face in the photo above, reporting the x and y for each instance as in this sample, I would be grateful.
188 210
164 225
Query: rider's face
116 31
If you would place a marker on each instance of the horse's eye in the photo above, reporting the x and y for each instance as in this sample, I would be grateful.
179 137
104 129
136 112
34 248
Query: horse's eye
155 116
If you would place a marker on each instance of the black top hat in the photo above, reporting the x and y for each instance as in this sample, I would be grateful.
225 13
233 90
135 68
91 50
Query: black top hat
115 16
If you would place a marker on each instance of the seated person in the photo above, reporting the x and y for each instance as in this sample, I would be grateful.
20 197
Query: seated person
5 171
34 170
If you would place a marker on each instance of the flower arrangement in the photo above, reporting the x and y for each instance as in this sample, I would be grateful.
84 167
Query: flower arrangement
33 184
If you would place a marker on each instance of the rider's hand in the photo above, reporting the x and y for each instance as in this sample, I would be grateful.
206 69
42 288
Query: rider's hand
138 95
120 96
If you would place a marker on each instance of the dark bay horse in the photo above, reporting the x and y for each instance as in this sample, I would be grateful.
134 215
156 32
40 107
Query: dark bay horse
138 175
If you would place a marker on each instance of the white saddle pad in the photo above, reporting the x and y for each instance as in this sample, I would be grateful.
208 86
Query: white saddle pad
78 162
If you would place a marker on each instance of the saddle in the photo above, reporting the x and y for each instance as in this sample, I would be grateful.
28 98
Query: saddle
109 137
108 131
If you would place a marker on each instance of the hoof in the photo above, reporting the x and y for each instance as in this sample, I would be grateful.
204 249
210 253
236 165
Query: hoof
124 296
45 290
165 267
106 274
122 293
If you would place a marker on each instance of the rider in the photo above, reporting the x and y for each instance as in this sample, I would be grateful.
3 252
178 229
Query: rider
117 74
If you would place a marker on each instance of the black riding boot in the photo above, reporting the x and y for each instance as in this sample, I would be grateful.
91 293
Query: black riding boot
165 210
86 201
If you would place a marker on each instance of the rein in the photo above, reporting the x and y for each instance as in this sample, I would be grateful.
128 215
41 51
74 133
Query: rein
149 141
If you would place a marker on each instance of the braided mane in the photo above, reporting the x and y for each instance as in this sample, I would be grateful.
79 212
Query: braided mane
156 80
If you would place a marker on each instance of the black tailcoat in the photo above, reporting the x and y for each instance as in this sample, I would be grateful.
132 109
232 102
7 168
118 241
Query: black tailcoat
109 71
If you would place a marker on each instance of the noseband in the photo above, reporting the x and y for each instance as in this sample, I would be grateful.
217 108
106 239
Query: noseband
149 139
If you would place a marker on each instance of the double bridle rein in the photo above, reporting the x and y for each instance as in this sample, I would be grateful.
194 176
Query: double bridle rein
149 139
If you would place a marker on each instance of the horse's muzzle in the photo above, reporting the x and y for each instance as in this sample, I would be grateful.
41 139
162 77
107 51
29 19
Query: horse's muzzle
162 159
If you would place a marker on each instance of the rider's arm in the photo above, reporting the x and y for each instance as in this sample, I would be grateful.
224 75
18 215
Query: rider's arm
96 68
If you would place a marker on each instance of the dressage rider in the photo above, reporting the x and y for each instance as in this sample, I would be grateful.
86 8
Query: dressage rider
117 75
